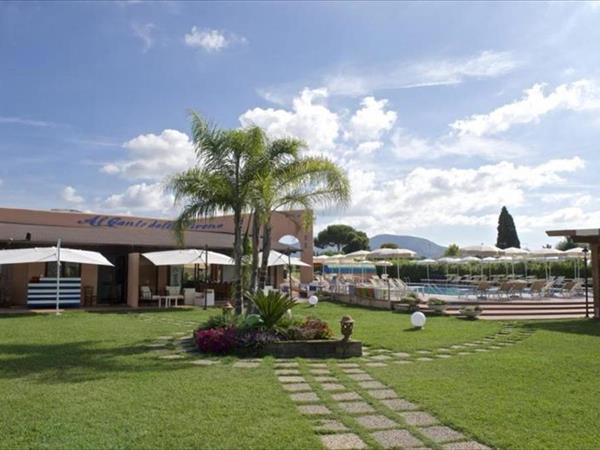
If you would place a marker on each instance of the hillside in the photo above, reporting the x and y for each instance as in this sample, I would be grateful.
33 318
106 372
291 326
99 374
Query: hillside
423 247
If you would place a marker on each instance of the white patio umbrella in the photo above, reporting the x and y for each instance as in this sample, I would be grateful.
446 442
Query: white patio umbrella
426 263
385 253
358 254
447 260
517 254
279 259
480 250
489 260
385 264
53 254
548 255
468 260
576 254
188 256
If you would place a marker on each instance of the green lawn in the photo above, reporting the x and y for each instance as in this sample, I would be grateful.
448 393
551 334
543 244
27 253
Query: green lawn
87 380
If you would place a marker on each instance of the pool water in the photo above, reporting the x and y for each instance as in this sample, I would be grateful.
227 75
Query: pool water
433 289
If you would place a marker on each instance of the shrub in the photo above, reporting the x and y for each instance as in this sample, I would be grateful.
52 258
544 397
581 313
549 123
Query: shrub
471 311
216 340
411 303
311 328
254 340
436 301
271 306
221 321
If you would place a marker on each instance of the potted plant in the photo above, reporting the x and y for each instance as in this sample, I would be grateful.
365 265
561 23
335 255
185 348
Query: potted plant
410 302
471 311
438 305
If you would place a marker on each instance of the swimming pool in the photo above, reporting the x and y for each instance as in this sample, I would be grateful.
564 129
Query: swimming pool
436 289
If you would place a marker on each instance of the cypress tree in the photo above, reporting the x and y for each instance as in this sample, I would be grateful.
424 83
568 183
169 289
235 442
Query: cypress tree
507 232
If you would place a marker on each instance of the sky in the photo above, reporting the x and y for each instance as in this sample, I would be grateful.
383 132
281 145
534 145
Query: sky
441 113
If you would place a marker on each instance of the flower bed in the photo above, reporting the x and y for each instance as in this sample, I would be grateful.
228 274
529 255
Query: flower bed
273 331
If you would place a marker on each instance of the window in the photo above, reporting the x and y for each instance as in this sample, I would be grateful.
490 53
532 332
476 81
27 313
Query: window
67 270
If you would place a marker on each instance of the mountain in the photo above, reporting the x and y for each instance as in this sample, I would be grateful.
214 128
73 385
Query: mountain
423 247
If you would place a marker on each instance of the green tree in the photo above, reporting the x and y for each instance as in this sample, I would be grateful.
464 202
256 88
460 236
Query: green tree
358 241
507 232
567 244
286 179
389 245
452 250
221 182
336 236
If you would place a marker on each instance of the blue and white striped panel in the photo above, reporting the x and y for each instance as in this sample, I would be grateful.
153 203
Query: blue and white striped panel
43 293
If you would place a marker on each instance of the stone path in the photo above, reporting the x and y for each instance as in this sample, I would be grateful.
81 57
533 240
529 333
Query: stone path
353 410
509 335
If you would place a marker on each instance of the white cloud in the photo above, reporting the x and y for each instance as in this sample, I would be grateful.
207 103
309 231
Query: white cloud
211 40
154 156
577 96
487 64
145 33
369 147
371 121
27 122
141 197
308 120
70 195
408 147
447 197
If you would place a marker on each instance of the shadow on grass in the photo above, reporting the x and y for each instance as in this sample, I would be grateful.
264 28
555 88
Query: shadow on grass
74 362
578 326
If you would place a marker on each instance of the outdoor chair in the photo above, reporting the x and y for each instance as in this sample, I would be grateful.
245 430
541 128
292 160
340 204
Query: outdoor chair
174 292
146 295
570 289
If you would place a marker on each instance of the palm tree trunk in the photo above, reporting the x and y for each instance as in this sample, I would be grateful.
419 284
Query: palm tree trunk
266 249
237 259
255 249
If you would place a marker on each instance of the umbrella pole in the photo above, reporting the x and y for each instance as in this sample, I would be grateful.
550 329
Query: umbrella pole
205 275
58 277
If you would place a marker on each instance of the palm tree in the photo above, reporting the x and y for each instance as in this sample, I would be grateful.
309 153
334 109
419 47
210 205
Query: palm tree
285 179
222 181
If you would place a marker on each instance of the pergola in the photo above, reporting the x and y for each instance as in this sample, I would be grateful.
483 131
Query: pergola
589 236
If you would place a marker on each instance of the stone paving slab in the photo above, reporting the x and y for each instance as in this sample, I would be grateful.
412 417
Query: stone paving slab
376 422
204 362
330 425
401 354
403 361
376 364
423 352
396 439
381 357
466 445
356 407
424 358
348 365
441 434
287 372
285 365
399 404
301 397
344 441
381 350
290 379
320 371
353 370
296 387
382 394
443 356
360 377
419 418
326 379
157 345
345 396
333 387
371 385
246 365
318 365
314 410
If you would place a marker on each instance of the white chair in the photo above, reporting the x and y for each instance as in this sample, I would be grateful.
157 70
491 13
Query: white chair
174 293
146 295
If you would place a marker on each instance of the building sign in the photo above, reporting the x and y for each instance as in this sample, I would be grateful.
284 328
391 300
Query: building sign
146 224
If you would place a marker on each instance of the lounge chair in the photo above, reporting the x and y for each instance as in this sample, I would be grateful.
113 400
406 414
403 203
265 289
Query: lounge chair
146 295
569 289
174 292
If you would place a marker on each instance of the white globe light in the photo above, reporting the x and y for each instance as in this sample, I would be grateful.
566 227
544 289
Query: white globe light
418 319
313 300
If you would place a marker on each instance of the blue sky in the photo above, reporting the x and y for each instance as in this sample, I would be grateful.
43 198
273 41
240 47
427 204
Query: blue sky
441 113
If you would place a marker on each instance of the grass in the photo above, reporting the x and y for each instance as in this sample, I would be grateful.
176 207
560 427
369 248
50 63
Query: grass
86 380
383 329
538 394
